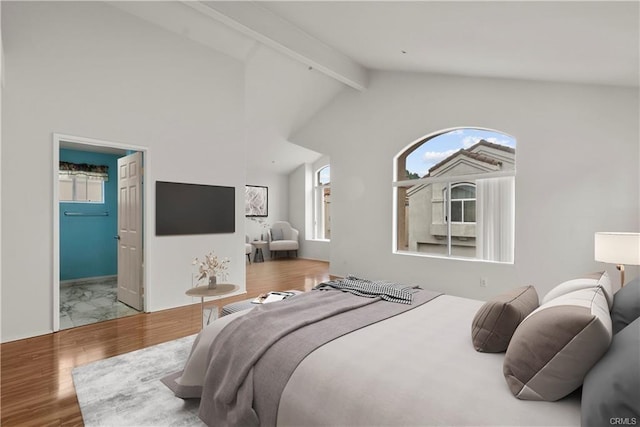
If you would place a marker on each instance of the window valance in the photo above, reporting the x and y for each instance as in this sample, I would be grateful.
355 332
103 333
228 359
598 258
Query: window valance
94 172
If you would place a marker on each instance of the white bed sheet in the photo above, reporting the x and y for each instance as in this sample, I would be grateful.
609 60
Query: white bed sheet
416 369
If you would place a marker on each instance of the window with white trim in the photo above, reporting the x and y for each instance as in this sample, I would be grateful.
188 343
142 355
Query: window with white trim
81 182
454 195
79 188
463 202
322 204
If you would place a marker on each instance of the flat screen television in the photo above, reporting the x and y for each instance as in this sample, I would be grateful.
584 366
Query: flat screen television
194 209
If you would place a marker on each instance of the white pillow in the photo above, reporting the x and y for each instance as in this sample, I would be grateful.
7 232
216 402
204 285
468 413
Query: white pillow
588 281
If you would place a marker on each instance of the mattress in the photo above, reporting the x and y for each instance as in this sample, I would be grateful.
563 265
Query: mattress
418 368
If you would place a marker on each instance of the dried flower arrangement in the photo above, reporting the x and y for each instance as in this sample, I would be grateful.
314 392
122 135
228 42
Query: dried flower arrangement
211 267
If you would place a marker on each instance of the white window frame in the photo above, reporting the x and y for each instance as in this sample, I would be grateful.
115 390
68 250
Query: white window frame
448 201
318 208
449 180
76 191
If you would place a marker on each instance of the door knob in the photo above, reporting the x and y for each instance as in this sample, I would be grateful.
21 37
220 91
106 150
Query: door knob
116 237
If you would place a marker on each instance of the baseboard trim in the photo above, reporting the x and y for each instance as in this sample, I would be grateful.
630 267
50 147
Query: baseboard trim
313 259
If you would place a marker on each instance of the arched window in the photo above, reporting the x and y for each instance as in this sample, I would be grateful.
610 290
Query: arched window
322 198
455 195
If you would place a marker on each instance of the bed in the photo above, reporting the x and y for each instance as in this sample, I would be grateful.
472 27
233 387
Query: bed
416 366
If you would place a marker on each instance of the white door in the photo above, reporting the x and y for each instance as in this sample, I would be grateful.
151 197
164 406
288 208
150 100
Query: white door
130 230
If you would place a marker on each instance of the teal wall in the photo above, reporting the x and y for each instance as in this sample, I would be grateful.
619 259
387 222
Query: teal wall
87 244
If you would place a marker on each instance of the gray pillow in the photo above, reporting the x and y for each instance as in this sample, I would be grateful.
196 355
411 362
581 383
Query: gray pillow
611 389
497 320
276 234
552 349
626 305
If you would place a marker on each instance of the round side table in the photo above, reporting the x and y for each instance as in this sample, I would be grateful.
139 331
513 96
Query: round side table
260 245
204 292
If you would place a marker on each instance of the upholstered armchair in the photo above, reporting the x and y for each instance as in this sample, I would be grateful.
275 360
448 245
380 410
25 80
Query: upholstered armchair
283 237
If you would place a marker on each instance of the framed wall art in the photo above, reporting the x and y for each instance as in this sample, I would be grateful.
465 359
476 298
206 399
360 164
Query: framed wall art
256 201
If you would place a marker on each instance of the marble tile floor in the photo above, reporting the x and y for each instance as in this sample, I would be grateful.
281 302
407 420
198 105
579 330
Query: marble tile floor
86 303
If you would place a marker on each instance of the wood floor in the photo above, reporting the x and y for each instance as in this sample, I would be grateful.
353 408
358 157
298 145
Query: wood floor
36 384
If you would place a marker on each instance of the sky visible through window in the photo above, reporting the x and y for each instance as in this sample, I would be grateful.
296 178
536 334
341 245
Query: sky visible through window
324 175
442 146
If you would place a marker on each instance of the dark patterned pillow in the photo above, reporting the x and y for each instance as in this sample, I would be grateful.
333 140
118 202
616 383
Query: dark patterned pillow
498 318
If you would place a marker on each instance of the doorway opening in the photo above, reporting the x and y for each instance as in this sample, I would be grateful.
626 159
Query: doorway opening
98 207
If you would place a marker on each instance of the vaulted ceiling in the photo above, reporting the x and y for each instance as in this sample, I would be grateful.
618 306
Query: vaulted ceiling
301 54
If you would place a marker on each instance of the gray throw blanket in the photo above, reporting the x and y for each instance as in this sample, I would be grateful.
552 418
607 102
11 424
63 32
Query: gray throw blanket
244 356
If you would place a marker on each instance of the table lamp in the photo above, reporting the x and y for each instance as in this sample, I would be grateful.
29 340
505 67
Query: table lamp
619 249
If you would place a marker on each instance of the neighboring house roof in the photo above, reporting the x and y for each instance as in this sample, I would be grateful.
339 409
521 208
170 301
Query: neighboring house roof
473 154
486 143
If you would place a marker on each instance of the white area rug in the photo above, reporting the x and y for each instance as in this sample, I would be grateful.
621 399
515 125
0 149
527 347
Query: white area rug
126 390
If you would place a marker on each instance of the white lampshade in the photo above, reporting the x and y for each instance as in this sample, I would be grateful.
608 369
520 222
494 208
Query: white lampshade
617 248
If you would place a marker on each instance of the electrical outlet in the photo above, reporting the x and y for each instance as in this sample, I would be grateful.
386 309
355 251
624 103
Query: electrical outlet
483 282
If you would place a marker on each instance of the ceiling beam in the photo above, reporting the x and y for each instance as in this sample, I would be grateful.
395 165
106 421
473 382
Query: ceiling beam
268 28
185 21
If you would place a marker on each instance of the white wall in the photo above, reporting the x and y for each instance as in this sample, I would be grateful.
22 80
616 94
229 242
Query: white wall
1 86
88 69
577 173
